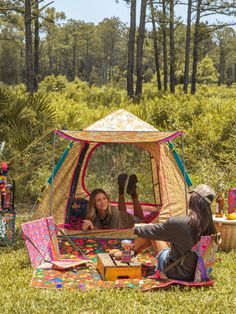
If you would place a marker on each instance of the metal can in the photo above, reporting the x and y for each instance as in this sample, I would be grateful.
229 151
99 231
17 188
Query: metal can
126 245
126 250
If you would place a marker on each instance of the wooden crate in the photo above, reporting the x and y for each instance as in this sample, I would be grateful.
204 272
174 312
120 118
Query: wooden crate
112 270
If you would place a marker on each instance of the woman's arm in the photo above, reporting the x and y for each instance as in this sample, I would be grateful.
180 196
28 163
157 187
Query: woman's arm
87 225
162 231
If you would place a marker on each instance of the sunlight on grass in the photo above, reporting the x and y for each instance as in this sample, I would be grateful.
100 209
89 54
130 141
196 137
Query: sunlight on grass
18 297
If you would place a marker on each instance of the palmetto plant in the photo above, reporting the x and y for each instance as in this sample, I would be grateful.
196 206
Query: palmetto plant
24 118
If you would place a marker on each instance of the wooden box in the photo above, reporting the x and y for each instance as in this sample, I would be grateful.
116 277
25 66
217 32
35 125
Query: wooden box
111 269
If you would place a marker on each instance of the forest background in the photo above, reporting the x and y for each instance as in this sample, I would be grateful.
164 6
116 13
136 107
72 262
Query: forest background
63 73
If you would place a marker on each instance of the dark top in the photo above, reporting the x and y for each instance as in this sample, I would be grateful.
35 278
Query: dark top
117 219
176 231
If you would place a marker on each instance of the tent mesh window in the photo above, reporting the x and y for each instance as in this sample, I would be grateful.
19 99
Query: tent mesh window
110 160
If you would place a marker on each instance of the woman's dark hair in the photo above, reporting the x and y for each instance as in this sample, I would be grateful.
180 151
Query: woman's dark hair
200 221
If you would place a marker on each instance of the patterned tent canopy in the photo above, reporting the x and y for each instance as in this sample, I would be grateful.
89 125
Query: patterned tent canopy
120 127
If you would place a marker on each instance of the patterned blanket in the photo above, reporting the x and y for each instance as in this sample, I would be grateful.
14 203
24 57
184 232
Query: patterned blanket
88 278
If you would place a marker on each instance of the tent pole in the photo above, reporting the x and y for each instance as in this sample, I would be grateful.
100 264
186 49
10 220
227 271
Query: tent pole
53 165
183 161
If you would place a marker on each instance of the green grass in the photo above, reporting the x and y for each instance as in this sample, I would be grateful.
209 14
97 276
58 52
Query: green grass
18 297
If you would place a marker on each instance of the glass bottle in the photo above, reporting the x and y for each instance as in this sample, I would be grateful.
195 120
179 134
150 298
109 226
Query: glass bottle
220 202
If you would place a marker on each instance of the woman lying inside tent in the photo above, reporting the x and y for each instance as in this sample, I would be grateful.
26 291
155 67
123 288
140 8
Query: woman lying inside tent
102 215
177 260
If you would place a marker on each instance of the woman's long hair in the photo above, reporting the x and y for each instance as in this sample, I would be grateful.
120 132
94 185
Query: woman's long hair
92 210
201 220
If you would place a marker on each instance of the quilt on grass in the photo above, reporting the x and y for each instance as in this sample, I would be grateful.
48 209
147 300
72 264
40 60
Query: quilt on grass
87 278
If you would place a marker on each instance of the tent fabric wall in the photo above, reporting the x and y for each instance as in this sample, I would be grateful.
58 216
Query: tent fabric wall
81 189
168 182
153 151
173 186
61 188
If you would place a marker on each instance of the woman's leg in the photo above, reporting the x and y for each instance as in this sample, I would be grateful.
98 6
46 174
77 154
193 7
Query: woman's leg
122 178
131 189
138 211
121 202
158 246
141 244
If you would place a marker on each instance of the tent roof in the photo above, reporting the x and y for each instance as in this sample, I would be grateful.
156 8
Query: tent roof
119 127
121 120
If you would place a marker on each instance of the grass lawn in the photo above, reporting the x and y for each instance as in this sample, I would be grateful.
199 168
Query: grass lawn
18 297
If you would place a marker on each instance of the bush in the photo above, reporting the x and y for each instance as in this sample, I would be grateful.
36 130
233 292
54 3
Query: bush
208 118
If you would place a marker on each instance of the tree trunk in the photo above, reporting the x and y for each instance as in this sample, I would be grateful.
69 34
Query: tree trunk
187 48
28 48
74 57
195 48
172 48
140 40
112 59
130 66
222 64
155 45
67 68
87 67
164 44
49 48
36 46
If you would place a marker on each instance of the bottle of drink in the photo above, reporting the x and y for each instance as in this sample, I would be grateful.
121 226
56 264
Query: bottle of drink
220 202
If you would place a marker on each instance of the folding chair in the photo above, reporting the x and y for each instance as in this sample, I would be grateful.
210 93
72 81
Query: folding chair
42 245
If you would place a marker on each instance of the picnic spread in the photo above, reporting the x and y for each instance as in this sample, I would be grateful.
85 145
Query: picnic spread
45 249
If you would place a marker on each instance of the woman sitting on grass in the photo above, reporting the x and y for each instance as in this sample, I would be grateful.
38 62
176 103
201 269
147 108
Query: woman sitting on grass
102 215
175 237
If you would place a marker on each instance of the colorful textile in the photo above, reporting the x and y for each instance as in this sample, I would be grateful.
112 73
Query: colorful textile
7 227
232 201
42 245
206 251
78 212
3 183
86 279
91 247
42 233
119 136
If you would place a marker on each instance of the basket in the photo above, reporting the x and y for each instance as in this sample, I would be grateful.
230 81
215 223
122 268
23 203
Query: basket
227 230
7 227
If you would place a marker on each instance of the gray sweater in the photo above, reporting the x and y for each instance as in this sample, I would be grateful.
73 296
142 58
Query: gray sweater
116 220
176 231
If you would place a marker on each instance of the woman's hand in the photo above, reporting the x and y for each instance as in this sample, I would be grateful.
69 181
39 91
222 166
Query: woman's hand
139 225
87 224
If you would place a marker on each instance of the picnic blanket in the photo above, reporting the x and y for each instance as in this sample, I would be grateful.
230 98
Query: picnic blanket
88 278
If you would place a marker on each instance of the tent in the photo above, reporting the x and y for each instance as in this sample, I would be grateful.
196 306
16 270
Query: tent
67 182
